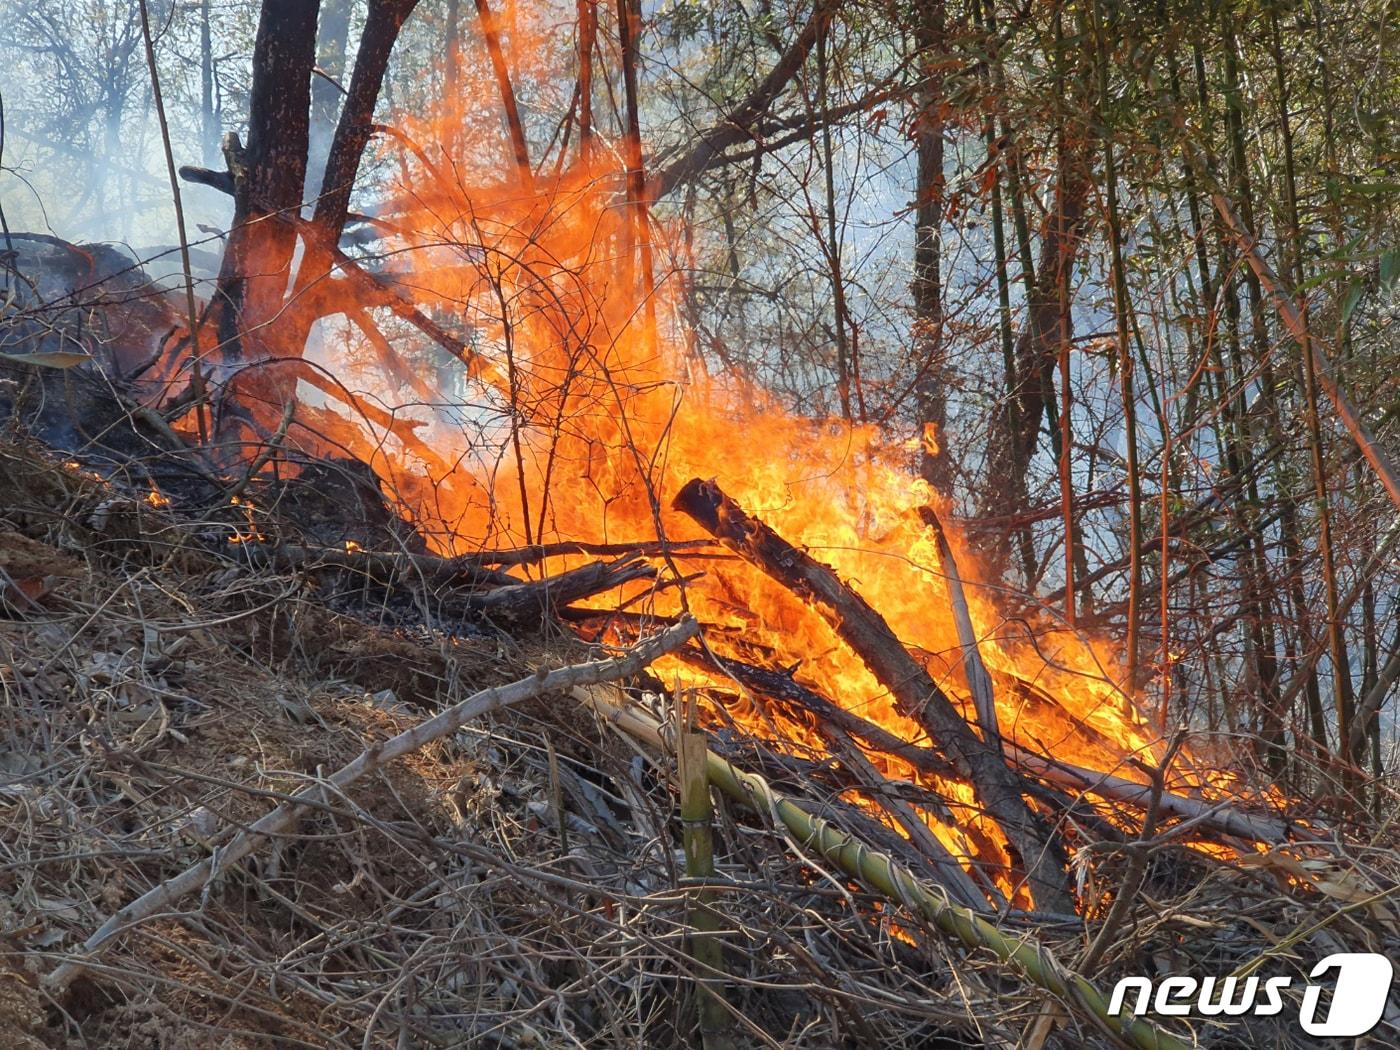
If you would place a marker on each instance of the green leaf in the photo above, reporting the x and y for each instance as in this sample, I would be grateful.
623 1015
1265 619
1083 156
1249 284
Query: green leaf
49 358
1349 303
1322 278
1390 267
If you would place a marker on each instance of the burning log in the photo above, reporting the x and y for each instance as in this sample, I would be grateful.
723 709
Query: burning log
998 788
1215 817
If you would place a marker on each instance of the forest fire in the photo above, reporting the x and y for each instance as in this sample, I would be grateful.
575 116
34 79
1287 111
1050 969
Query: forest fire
700 525
602 416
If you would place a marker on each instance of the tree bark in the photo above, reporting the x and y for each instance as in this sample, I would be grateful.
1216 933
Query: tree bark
269 176
382 25
930 394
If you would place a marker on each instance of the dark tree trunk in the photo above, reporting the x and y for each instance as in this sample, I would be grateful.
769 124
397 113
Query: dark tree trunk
1039 346
930 393
268 178
382 24
208 122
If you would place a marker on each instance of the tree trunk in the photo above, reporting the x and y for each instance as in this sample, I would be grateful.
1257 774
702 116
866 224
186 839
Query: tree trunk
268 178
930 391
326 89
382 25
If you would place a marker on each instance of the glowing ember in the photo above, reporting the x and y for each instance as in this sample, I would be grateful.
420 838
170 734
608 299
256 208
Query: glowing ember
252 534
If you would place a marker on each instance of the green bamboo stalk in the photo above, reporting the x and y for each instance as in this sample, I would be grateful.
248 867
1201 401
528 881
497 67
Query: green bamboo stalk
698 840
879 872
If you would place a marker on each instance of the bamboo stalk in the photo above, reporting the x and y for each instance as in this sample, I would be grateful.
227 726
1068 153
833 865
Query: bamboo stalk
877 871
697 838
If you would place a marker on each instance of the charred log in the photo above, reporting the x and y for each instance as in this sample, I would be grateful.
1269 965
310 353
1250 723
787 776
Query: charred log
532 601
998 788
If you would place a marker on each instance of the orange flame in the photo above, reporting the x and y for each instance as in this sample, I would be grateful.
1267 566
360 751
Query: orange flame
602 412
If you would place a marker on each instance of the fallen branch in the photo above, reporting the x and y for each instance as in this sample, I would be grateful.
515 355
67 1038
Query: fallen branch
998 788
499 595
533 600
387 568
162 898
1217 817
782 687
1031 959
540 551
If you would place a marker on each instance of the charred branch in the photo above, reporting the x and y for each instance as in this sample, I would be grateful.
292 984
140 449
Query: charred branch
998 788
532 601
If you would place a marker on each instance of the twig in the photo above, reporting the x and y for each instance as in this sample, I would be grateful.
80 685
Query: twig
196 372
265 453
285 817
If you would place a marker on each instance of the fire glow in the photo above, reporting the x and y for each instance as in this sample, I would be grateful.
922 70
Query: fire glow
606 411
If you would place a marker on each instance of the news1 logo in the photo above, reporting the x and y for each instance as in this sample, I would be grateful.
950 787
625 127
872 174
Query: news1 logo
1362 986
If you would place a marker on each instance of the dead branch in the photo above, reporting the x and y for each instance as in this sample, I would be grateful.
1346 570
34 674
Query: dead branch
528 602
282 819
782 687
540 551
979 682
862 628
1218 817
738 124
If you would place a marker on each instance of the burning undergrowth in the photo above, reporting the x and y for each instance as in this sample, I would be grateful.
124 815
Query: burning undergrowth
520 882
514 885
219 608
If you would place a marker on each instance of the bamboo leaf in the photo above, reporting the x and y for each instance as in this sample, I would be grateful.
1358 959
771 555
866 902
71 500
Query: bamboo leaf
1349 303
49 358
1390 268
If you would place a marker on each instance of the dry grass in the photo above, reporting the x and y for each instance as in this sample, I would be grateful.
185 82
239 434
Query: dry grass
517 885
